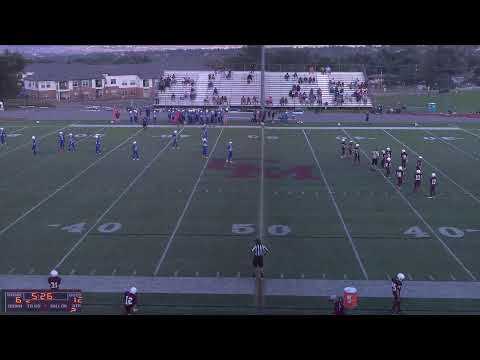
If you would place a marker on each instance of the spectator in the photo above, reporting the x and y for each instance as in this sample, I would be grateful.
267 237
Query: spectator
172 98
215 91
210 84
298 88
300 81
287 76
295 76
243 100
249 78
254 100
248 101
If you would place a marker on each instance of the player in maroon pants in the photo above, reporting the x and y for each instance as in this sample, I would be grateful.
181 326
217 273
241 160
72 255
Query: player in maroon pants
350 149
403 159
384 158
356 154
54 280
418 180
344 147
433 186
399 175
387 166
419 163
396 289
130 300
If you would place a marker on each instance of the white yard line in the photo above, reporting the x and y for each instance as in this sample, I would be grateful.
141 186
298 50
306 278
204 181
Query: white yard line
119 197
339 213
455 147
420 217
262 182
29 143
41 202
187 205
468 132
465 191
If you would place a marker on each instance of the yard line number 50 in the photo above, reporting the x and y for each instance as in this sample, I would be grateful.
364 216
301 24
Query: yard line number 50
246 229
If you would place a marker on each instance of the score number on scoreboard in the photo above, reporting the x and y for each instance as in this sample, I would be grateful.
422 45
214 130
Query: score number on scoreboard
43 300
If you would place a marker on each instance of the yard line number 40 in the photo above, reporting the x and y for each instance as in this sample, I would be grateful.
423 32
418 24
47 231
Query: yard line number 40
104 228
448 231
246 229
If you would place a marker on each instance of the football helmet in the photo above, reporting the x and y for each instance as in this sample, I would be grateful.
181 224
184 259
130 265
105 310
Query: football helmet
433 175
400 276
133 290
54 273
419 172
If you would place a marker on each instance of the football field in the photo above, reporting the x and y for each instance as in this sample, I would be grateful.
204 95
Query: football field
175 213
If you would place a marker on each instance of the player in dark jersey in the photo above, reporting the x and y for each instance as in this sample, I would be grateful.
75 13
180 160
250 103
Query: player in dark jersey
375 156
419 163
433 186
418 180
356 154
403 159
388 163
338 307
396 289
384 158
130 300
54 280
389 152
343 148
399 175
350 148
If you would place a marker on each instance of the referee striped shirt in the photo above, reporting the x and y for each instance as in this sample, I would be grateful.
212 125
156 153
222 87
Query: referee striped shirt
259 250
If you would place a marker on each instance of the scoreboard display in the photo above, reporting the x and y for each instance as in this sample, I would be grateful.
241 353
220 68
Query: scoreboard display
43 300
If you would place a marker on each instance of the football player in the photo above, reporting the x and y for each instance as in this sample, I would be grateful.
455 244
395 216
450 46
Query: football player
174 138
145 122
229 152
71 142
54 280
61 141
387 166
98 145
375 156
399 176
204 147
403 159
418 180
350 148
384 158
389 152
3 136
130 300
396 289
356 154
419 163
155 112
343 149
34 145
433 185
204 132
135 155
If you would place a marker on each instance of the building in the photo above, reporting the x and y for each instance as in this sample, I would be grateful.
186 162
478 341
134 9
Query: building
63 82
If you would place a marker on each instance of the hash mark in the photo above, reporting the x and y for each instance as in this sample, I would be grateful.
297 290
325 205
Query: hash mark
218 274
196 273
11 270
175 273
452 277
302 275
323 276
388 276
431 277
281 275
345 276
238 274
54 225
114 272
409 276
72 272
32 270
93 272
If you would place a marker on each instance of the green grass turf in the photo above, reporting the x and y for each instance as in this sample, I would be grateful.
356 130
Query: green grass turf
464 101
228 194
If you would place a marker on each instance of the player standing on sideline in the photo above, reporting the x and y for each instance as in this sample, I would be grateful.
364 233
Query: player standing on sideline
396 289
130 300
350 149
338 307
145 122
54 280
367 116
205 132
259 251
175 141
61 141
98 145
384 158
356 154
155 112
130 113
205 147
418 180
3 136
375 156
419 163
387 166
403 159
229 152
433 186
34 145
344 147
399 177
135 155
71 142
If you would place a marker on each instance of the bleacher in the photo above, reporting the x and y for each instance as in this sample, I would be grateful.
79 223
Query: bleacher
275 86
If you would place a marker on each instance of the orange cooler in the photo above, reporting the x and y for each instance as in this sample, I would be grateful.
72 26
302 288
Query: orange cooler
350 298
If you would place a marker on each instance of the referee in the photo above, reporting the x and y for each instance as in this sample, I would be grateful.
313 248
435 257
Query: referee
259 251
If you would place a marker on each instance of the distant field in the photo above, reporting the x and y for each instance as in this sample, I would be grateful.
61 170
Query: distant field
463 101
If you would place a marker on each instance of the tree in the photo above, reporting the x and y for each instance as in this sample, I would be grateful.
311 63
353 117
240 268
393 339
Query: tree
11 67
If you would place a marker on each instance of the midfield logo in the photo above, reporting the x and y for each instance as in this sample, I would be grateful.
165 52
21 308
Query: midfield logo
245 169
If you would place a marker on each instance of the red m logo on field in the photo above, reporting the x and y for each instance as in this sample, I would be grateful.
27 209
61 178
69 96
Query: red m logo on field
248 170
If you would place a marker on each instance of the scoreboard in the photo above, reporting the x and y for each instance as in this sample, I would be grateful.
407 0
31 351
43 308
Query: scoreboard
43 300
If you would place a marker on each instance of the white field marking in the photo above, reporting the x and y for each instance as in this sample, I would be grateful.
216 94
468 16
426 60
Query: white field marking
302 275
339 213
471 230
119 197
281 275
54 225
409 276
454 146
185 208
72 272
345 276
388 276
420 217
196 273
238 274
134 272
206 190
469 132
278 128
114 272
452 277
175 273
3 154
262 185
431 277
218 274
92 272
41 202
11 270
465 191
323 276
32 270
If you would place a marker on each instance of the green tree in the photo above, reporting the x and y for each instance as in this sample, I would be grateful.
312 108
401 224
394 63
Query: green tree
11 66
